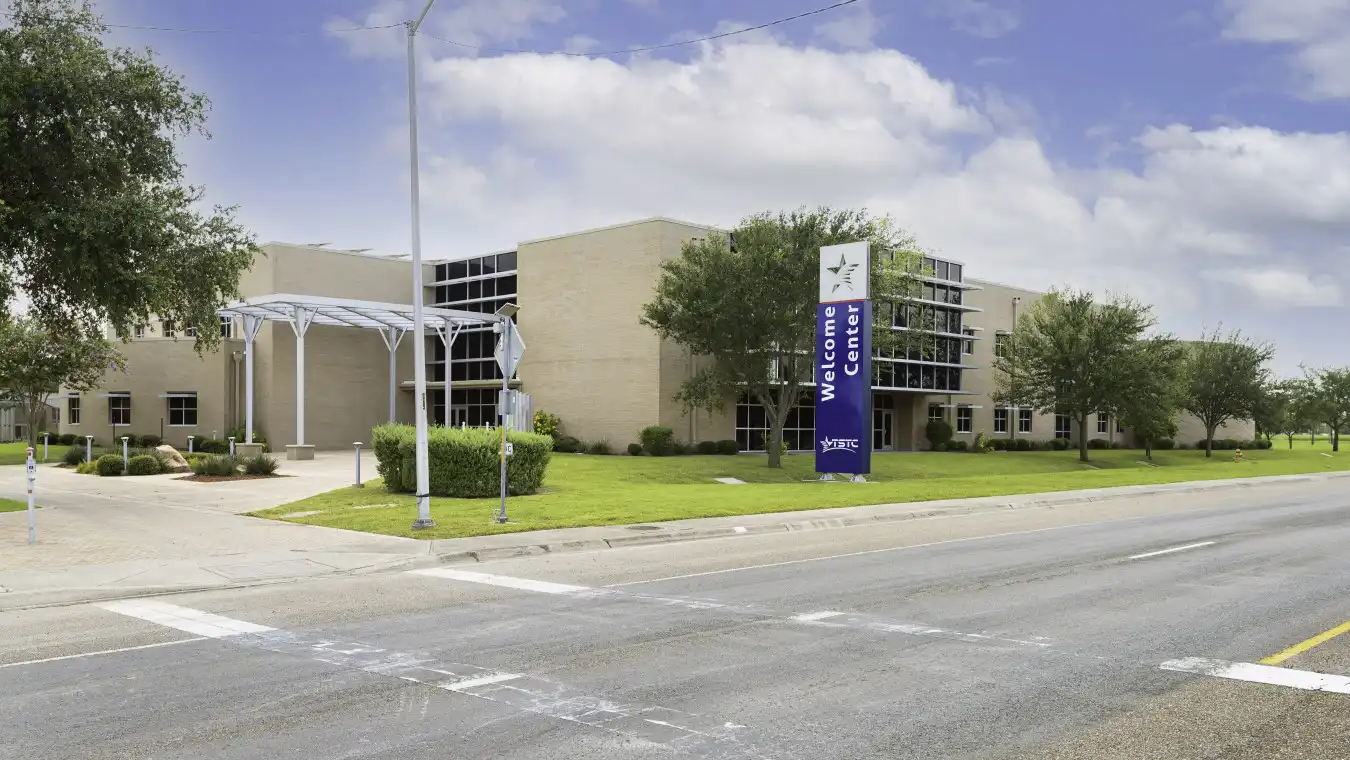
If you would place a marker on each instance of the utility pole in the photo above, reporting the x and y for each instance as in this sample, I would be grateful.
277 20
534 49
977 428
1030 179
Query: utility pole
419 329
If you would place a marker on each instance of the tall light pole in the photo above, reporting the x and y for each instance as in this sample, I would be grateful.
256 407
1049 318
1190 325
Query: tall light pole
419 329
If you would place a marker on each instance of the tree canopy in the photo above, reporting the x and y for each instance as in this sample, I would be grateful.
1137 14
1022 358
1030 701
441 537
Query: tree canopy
1071 354
96 223
1328 400
34 364
747 305
1224 378
1148 406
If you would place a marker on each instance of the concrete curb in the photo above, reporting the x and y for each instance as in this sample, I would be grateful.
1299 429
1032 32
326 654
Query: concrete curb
672 533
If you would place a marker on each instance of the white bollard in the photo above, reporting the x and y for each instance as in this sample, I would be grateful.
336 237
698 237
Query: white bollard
190 443
124 455
46 437
31 467
357 444
88 447
231 445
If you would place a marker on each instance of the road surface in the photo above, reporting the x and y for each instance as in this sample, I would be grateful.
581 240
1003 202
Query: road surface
1126 629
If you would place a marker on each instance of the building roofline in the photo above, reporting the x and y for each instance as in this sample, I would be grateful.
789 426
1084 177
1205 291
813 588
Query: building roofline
1010 286
621 225
324 249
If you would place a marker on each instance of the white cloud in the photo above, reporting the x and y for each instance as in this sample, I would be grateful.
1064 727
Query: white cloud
475 23
855 28
580 43
1317 33
982 18
1283 288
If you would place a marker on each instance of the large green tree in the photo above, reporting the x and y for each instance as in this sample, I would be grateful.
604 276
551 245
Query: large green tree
1329 400
1224 378
98 226
34 364
747 306
1072 354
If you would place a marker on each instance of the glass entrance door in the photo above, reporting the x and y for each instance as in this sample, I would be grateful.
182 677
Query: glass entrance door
883 430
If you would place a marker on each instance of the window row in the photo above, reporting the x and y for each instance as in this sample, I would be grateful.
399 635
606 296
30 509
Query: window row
473 407
920 376
483 265
469 344
476 289
167 329
941 293
180 410
465 370
943 270
927 318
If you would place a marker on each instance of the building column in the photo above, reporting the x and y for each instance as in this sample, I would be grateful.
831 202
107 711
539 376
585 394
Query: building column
299 326
251 327
392 337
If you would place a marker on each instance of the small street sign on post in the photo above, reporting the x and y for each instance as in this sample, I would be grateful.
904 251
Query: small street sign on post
31 470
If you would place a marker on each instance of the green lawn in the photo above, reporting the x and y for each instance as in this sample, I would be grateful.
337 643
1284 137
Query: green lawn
10 505
614 490
13 453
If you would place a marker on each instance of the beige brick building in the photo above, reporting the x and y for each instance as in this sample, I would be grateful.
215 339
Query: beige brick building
588 359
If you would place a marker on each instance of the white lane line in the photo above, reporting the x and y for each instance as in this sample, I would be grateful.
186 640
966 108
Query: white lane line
811 617
474 683
1173 550
505 581
739 529
183 618
103 652
1265 674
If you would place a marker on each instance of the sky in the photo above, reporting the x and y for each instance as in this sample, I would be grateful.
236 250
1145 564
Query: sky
1190 153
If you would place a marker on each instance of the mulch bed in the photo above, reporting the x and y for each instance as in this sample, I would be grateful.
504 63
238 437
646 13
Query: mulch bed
226 478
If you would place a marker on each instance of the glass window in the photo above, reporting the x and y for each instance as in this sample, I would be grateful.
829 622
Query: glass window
954 272
1102 423
456 270
940 271
928 292
73 411
968 346
166 328
1063 426
936 412
119 410
457 293
138 331
183 410
475 267
1024 420
192 332
227 327
1001 420
475 289
489 264
965 419
506 262
799 428
1120 428
1001 341
506 286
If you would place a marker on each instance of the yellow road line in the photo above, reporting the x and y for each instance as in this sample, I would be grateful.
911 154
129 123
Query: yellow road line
1321 638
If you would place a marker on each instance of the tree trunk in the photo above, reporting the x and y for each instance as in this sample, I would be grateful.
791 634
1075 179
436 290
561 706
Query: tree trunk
1336 440
1291 442
774 446
1209 440
1082 439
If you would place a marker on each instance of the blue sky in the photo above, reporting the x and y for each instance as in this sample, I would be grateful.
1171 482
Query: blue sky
1185 151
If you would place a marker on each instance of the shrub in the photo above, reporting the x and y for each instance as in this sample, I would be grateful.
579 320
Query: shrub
728 447
143 465
600 447
212 446
1040 445
1266 444
73 456
547 424
1021 444
565 445
65 439
634 449
957 446
657 441
1060 444
87 468
706 447
1117 445
1164 444
110 464
241 436
464 462
939 433
982 444
263 464
1099 443
149 441
681 448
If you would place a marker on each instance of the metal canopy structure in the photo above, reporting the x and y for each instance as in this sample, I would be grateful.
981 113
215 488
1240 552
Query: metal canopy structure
392 321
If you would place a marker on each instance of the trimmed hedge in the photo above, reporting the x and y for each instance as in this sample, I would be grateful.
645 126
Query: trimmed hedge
1060 444
565 445
658 441
634 449
110 464
73 456
706 447
728 447
143 464
464 462
938 432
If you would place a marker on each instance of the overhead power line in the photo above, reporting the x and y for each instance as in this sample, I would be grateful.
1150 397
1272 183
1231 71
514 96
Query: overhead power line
250 32
646 48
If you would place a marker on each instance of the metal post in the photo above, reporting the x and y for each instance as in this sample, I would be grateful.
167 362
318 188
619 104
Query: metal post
506 389
358 464
419 328
88 447
251 327
300 326
124 453
190 443
231 445
31 467
45 440
393 372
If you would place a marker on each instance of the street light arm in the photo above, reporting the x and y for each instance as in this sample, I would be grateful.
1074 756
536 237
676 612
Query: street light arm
415 25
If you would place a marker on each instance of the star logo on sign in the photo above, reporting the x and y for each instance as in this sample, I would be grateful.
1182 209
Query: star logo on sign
843 274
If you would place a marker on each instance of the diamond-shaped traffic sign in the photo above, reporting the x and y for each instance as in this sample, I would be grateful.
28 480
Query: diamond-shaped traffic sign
517 350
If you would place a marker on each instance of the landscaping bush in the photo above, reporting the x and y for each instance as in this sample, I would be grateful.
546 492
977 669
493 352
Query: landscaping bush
957 446
148 441
1099 443
1117 445
87 468
212 446
565 445
600 447
998 444
547 424
263 464
143 465
73 456
110 464
634 449
241 436
464 462
982 444
658 441
65 439
1164 444
728 447
706 447
681 449
1021 444
1266 444
1060 444
939 433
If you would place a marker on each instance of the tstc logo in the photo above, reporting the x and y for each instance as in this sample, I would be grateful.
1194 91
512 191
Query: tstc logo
838 444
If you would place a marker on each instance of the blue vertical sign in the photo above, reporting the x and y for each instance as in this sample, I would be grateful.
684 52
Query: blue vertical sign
843 369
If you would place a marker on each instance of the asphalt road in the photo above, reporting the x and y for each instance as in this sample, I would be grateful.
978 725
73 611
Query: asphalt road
1036 634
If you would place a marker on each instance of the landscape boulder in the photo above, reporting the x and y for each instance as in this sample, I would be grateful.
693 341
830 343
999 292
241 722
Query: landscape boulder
174 462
